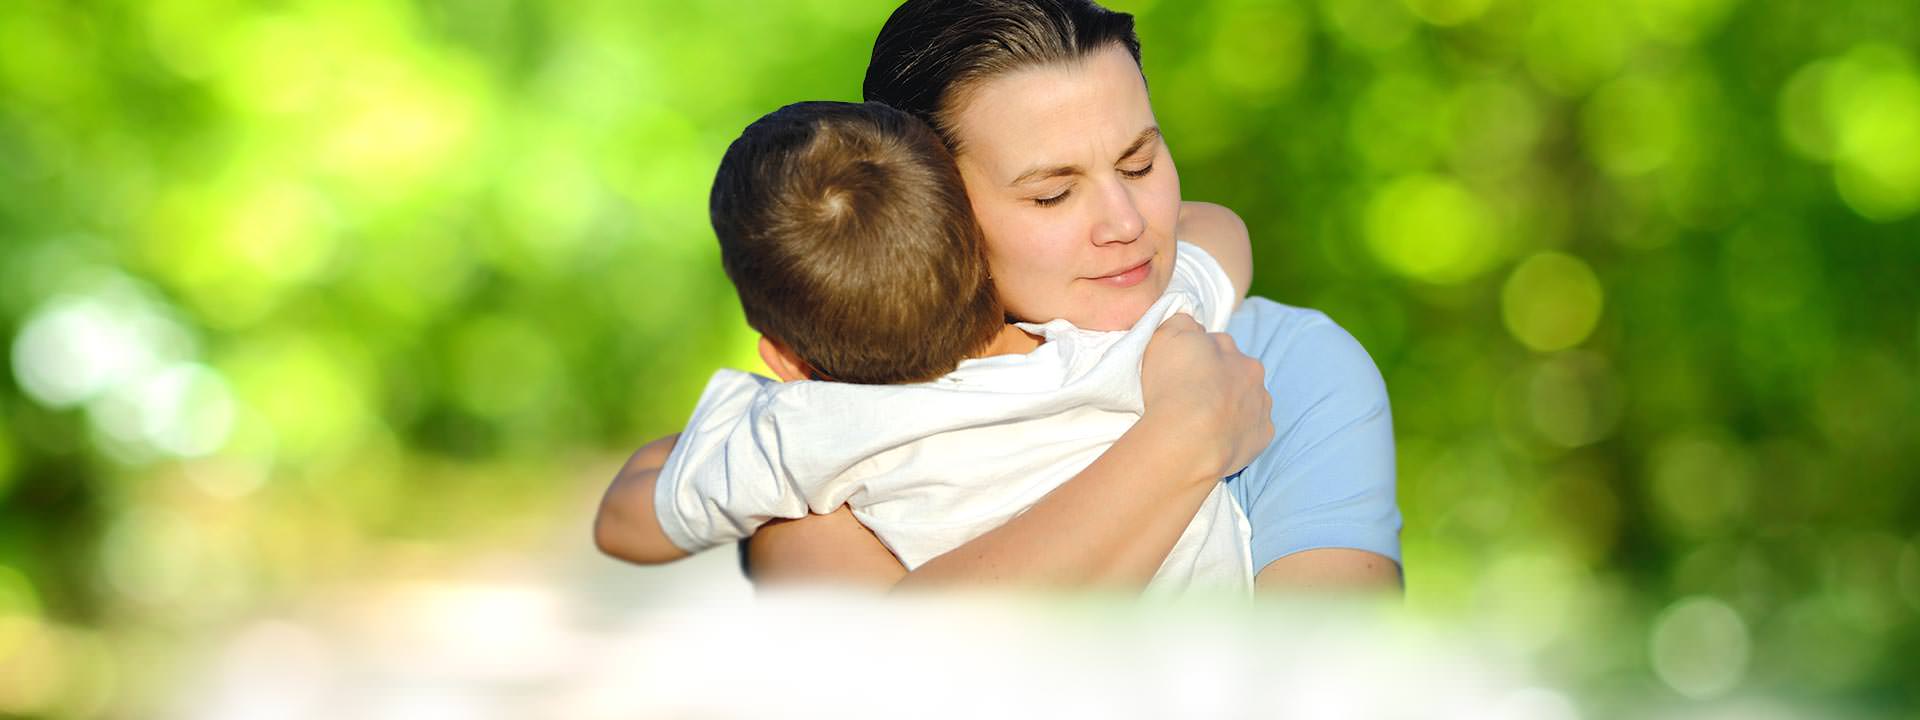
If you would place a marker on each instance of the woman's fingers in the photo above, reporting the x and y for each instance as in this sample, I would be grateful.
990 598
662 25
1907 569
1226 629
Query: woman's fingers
1201 381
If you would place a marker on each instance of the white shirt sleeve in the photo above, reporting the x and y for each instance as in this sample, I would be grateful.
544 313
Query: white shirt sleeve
730 473
1198 274
725 478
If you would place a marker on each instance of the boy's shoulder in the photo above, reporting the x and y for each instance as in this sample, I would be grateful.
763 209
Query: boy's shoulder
1224 236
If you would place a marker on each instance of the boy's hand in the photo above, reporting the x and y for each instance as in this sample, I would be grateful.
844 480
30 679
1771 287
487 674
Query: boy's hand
1200 385
1223 235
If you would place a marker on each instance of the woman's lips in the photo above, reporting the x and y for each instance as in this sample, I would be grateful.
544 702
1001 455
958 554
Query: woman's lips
1127 278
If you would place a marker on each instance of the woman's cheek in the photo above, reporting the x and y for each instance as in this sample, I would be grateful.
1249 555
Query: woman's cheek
1167 201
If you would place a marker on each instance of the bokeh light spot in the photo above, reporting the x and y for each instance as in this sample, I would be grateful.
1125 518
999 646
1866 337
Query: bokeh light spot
1574 45
1552 301
1529 597
1699 647
1494 127
1575 399
76 347
1633 125
1861 112
1431 228
1862 574
1700 483
1874 104
1803 112
187 411
182 410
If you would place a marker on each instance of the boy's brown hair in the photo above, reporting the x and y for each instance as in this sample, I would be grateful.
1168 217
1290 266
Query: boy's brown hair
849 239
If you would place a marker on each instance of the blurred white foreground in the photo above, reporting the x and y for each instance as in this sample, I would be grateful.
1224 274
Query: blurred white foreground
587 638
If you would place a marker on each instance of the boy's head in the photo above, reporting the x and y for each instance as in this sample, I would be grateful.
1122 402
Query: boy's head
849 238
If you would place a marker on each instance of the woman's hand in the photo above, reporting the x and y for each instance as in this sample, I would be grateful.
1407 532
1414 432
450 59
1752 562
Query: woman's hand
1200 385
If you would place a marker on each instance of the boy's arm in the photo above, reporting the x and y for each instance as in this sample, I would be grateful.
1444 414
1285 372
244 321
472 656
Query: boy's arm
1223 235
627 526
715 483
830 548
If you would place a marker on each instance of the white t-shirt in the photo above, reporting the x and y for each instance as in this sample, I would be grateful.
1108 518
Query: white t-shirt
929 466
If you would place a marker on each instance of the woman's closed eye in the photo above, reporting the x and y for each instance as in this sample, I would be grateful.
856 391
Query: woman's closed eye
1059 197
1054 199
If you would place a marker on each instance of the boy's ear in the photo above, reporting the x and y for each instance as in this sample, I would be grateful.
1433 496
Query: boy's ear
783 362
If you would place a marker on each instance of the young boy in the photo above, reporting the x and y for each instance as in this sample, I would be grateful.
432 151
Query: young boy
847 233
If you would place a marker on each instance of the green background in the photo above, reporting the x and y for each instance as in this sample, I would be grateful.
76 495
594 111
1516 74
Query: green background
294 289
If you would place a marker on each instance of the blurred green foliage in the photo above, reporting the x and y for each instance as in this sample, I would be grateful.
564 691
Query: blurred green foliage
290 285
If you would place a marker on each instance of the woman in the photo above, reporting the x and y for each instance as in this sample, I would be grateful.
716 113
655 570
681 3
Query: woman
1045 108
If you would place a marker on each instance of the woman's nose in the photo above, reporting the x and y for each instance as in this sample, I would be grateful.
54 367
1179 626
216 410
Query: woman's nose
1120 220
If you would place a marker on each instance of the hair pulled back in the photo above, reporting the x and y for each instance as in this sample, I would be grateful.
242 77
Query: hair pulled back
930 52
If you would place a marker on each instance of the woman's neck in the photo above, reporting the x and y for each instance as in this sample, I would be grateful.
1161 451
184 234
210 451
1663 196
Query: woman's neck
1010 341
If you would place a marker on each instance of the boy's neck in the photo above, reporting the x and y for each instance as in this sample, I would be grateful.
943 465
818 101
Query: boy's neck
1010 341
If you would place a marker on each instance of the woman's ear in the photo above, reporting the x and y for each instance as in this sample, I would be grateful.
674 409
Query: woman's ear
783 362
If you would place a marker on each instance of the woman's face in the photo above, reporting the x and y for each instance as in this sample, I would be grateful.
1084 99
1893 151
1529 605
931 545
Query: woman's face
1074 188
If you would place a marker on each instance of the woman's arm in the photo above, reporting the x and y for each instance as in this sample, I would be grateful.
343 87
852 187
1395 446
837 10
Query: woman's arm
832 548
1113 523
1321 498
1329 569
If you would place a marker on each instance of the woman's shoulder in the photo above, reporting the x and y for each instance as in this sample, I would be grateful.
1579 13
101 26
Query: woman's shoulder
1307 352
1327 481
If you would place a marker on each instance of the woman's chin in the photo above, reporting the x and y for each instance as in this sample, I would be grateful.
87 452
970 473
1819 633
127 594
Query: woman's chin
1121 309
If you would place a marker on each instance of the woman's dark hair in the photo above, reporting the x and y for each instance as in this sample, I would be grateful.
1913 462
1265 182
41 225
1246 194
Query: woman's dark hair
931 51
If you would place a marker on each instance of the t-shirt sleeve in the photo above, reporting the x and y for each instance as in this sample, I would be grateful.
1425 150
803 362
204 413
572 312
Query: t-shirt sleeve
1327 480
1196 272
724 479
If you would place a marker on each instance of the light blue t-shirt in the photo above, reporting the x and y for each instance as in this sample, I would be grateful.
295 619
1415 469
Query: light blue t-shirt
1327 479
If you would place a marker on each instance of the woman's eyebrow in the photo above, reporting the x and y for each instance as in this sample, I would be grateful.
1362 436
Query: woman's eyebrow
1053 171
1148 135
1043 173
